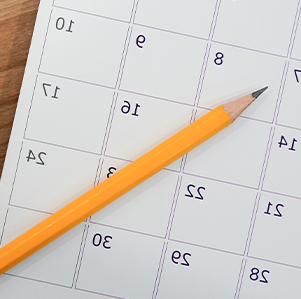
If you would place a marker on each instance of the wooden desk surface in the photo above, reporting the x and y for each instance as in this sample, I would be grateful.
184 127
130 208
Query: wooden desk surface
17 18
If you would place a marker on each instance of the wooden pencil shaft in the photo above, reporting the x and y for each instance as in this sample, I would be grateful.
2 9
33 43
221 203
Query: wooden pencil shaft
123 181
112 188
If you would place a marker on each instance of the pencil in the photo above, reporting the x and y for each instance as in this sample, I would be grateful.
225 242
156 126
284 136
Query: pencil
123 181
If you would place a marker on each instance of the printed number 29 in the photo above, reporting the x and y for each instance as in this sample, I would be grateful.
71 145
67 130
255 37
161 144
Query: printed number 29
176 256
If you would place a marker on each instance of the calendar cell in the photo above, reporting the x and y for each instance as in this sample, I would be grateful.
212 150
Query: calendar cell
56 100
73 38
119 263
141 123
203 211
72 174
289 113
257 25
284 164
192 272
296 52
231 68
11 286
227 158
54 263
164 65
263 280
193 18
116 9
144 209
277 226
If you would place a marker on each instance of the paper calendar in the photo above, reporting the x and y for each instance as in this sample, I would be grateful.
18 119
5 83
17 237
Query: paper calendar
105 82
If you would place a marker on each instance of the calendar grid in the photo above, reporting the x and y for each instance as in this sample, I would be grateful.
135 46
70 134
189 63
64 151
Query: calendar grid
1 236
266 159
80 255
207 247
182 173
77 80
252 223
280 93
76 270
220 181
91 14
240 278
30 106
29 209
16 172
37 280
274 262
251 226
62 146
289 127
249 49
159 272
97 293
294 31
156 97
170 31
50 16
126 230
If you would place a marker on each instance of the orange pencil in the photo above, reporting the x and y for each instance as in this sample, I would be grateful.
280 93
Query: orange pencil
123 181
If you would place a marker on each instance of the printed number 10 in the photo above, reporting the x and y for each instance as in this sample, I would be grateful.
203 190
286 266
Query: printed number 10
60 24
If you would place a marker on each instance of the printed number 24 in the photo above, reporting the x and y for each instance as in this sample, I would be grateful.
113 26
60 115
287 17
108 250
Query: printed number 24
31 156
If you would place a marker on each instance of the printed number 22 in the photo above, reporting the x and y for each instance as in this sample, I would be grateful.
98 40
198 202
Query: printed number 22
199 195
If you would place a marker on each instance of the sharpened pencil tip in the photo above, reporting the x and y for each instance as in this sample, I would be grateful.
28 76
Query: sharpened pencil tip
257 93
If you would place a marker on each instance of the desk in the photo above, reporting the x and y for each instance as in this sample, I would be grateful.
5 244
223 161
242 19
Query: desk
17 18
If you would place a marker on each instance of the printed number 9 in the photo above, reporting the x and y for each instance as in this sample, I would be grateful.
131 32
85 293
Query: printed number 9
140 40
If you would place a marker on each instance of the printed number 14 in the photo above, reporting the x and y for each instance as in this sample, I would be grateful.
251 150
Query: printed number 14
283 142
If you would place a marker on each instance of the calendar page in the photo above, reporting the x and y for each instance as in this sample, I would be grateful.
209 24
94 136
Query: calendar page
105 82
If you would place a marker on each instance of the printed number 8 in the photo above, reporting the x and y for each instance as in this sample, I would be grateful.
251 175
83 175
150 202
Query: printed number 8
219 58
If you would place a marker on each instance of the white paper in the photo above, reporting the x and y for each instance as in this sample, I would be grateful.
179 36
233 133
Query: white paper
105 82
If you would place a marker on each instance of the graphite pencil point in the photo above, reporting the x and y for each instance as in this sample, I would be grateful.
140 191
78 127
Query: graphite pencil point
257 93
